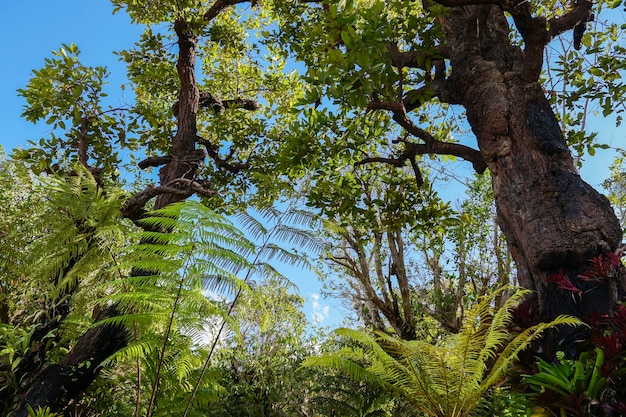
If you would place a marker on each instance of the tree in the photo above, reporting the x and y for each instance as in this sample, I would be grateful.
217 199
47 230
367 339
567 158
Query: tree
372 239
232 136
232 115
403 58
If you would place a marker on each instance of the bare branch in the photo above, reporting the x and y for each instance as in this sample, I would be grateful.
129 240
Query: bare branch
414 59
133 208
218 6
431 145
154 161
398 162
224 163
208 100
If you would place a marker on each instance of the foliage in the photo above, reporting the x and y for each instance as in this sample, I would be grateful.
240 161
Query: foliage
447 379
185 253
575 381
339 395
592 383
400 253
68 96
615 186
371 239
41 412
502 401
191 273
51 279
259 365
263 132
236 65
581 85
346 48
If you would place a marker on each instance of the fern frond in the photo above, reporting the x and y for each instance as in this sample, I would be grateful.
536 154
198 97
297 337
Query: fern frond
349 367
302 218
444 380
301 238
522 341
253 226
271 252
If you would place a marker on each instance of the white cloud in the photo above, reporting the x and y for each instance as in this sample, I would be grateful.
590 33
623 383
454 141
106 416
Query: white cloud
320 311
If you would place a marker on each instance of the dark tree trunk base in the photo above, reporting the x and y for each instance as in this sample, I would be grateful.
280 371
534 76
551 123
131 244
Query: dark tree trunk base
56 384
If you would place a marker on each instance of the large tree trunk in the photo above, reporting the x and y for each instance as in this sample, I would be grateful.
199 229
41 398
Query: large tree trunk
55 385
552 219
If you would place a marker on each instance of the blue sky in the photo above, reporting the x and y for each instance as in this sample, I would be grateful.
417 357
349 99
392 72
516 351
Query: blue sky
31 30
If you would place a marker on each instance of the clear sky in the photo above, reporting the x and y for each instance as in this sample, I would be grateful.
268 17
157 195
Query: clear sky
32 29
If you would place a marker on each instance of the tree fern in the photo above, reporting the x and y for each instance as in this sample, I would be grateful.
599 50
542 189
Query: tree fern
444 380
65 242
275 228
194 266
188 258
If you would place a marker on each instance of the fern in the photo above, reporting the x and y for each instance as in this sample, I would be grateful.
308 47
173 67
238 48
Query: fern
174 283
169 288
263 252
442 380
68 243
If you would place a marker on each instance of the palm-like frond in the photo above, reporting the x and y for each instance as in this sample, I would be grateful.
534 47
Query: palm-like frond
83 227
442 380
187 250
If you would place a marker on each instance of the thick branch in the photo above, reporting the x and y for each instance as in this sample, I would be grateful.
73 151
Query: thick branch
414 59
424 60
580 13
431 145
537 32
82 143
461 3
185 156
535 35
208 100
218 6
133 209
154 161
223 163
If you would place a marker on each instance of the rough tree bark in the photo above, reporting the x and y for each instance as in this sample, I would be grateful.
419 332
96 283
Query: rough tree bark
55 385
552 219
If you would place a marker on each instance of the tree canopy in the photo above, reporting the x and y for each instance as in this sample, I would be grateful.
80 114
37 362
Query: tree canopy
331 119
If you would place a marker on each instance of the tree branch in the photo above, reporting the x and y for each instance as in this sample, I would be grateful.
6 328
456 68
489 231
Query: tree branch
218 6
133 209
223 163
537 31
154 161
580 13
461 3
414 59
431 146
208 100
